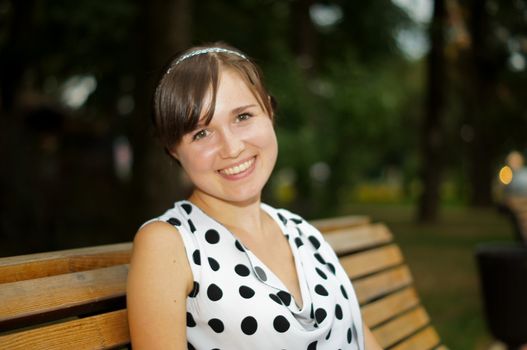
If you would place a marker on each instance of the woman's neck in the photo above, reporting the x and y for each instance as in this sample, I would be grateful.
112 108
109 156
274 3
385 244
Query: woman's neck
246 217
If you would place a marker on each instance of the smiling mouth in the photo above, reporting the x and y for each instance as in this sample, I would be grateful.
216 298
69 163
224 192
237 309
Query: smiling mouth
237 169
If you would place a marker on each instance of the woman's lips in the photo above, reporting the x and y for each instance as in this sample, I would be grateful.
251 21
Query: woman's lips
238 170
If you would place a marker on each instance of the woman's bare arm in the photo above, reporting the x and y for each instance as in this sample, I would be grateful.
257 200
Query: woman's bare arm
159 281
369 340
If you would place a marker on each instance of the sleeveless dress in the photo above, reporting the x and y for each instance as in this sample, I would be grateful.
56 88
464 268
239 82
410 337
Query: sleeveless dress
239 303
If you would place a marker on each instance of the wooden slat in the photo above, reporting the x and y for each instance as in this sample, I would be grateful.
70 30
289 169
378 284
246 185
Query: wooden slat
389 306
333 224
423 340
21 302
363 263
25 267
357 238
374 286
401 327
103 331
441 347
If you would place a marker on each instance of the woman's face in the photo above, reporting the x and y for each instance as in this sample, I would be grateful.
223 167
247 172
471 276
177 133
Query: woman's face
232 158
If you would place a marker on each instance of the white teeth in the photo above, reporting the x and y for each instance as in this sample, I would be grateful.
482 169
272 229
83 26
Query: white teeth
238 168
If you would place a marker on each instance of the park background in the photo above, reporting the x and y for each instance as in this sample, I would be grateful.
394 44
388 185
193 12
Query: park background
402 110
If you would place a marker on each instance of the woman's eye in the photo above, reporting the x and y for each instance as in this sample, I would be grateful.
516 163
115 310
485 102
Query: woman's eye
243 116
200 134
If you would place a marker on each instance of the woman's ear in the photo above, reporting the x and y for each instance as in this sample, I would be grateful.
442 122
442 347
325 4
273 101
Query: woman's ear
172 153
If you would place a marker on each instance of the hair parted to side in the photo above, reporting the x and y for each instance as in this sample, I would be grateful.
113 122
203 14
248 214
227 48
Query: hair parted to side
179 99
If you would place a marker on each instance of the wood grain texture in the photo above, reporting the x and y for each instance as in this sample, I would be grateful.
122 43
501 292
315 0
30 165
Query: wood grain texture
370 261
385 282
344 241
32 299
389 306
104 331
31 266
425 339
401 327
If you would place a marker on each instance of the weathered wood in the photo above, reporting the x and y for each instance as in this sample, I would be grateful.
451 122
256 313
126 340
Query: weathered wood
42 299
370 261
425 339
105 331
383 283
356 238
401 327
25 267
386 308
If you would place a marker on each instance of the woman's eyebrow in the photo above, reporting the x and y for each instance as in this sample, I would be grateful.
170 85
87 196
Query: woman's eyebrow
242 108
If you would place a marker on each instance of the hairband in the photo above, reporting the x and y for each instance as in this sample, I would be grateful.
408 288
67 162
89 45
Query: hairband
205 51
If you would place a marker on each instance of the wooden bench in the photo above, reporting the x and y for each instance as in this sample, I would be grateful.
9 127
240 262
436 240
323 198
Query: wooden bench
75 299
516 208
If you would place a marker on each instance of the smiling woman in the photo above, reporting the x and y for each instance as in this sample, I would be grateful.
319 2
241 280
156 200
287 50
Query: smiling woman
221 269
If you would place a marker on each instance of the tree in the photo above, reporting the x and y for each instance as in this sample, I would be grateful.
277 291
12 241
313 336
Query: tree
432 146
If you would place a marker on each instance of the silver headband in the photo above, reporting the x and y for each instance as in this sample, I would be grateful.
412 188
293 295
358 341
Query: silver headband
208 50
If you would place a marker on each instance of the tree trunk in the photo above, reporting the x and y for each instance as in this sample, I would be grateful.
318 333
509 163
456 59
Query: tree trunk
432 144
481 83
165 32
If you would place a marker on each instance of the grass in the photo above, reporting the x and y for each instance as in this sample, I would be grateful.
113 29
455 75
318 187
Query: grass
441 258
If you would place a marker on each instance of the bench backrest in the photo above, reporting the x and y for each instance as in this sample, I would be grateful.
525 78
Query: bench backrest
76 298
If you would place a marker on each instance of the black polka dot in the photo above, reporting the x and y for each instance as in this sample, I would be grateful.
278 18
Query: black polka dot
190 347
190 320
343 290
214 292
312 346
298 242
214 265
216 325
312 313
191 226
281 324
320 315
329 335
249 325
174 221
314 241
187 208
239 246
349 335
320 258
196 257
287 237
296 221
275 298
338 312
281 217
260 273
212 236
242 270
331 267
321 273
320 290
195 290
246 292
300 231
285 297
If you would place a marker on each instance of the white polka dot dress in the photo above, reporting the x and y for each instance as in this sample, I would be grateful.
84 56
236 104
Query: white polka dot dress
238 303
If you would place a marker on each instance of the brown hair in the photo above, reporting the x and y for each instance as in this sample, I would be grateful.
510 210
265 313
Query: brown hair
180 93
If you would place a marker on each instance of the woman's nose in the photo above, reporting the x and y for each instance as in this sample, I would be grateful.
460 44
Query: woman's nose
232 144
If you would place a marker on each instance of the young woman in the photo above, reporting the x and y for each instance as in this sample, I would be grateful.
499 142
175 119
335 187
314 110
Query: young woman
222 270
